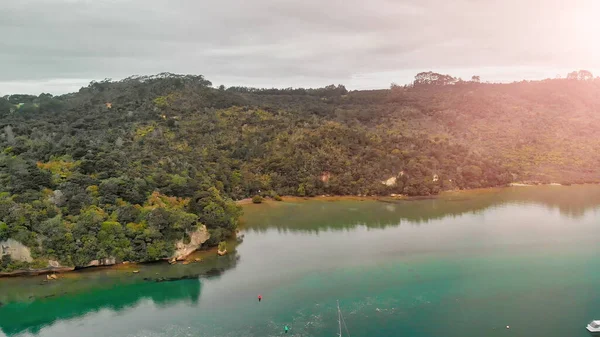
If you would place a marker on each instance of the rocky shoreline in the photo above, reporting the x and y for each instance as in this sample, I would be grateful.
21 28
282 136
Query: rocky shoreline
36 272
182 251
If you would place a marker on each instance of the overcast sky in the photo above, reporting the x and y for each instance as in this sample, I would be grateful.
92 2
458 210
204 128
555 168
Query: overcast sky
57 46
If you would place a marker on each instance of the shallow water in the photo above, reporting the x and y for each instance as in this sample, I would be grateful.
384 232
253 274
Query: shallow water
465 264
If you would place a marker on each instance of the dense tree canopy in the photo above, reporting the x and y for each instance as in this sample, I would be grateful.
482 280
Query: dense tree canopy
125 169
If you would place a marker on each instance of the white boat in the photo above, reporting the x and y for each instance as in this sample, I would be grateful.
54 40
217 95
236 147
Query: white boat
593 326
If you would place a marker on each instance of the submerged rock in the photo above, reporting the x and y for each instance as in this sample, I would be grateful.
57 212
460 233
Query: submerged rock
214 272
178 278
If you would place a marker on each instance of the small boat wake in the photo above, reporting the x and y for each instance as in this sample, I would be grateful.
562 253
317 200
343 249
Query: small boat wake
341 321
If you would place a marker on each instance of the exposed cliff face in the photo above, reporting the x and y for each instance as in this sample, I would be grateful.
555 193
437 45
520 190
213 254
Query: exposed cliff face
198 237
20 252
16 250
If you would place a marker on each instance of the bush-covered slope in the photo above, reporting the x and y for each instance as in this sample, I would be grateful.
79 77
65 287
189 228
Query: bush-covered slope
125 169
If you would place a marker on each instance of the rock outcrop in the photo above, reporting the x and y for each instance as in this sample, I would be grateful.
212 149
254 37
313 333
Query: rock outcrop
54 264
197 238
16 250
389 182
109 261
325 176
392 181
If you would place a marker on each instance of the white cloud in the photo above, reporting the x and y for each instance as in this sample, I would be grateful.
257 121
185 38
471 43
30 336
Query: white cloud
281 43
36 87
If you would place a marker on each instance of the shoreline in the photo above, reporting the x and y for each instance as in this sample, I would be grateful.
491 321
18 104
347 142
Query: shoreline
125 266
332 198
248 201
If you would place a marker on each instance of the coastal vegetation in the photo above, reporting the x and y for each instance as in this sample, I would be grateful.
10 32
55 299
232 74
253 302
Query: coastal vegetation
125 169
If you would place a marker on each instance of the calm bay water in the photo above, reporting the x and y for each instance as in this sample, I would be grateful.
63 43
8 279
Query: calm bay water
465 264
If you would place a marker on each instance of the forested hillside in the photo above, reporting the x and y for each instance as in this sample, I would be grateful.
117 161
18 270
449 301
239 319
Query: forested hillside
125 169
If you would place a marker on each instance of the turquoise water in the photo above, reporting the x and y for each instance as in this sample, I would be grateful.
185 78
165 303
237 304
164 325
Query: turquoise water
466 264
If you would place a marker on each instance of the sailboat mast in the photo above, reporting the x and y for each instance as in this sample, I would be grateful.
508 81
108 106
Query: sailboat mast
339 318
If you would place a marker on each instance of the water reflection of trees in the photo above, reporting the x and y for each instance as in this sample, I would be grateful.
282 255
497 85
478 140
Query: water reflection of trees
571 201
315 216
173 284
